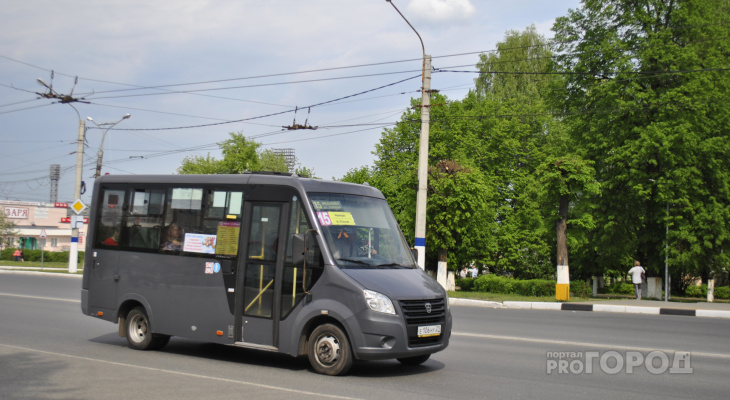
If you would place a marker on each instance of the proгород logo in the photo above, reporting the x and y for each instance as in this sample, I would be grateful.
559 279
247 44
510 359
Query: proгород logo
613 362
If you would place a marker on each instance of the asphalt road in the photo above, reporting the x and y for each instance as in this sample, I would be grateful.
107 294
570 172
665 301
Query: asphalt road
49 350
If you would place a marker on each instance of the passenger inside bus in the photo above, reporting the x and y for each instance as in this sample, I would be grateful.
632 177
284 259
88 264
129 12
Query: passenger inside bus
172 238
113 240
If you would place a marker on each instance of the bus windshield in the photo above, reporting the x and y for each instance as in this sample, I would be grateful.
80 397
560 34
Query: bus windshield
361 232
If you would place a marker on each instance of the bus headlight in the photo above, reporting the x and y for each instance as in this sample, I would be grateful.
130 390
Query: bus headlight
379 302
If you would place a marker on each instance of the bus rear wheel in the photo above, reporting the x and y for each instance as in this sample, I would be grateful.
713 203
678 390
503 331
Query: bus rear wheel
139 332
329 350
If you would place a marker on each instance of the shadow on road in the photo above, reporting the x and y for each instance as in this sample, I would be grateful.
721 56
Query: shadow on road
238 355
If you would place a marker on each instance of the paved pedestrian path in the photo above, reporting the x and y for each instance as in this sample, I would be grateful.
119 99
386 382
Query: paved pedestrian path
626 306
700 309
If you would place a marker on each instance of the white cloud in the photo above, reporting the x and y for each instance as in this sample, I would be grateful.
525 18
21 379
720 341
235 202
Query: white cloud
442 11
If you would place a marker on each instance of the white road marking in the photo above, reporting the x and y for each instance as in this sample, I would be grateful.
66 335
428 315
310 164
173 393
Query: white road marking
186 374
585 344
40 297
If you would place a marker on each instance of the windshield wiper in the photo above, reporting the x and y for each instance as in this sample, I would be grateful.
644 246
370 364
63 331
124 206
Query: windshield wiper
391 265
355 261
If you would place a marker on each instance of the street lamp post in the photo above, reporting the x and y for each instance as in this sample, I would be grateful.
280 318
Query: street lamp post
68 99
73 255
422 194
105 126
666 256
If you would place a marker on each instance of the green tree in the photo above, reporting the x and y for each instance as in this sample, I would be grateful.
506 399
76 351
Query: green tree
645 96
517 133
459 210
7 230
239 155
359 175
567 181
496 137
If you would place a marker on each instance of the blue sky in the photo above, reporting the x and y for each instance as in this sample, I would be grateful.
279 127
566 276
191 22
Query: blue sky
186 69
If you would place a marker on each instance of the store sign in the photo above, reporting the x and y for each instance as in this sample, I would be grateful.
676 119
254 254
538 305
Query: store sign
16 212
67 220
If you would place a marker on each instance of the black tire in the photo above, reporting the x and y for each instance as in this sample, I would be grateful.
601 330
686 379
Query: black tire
329 350
417 360
139 332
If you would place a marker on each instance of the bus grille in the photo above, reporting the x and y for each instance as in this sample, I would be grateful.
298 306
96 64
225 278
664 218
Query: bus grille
416 314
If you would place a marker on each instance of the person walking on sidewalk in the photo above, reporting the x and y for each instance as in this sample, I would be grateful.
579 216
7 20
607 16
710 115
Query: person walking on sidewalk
637 277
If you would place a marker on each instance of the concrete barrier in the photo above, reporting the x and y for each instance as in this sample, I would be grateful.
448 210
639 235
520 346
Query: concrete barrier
609 308
713 313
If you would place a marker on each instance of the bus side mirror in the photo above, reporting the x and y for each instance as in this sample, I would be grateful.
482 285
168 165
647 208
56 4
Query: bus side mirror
297 249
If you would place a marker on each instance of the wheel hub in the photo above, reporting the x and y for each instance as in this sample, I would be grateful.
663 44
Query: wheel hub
328 350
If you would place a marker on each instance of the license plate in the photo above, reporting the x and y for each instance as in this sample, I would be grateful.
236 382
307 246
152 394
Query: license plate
429 330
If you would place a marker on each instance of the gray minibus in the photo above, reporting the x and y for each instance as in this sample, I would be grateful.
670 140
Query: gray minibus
273 262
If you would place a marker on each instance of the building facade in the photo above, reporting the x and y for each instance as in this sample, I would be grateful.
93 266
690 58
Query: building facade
35 219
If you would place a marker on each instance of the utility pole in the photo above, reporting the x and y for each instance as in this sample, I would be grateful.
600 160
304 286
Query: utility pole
422 193
78 205
105 126
73 255
666 256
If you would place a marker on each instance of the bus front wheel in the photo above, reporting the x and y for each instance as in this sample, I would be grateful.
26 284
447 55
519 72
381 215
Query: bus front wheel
329 350
139 333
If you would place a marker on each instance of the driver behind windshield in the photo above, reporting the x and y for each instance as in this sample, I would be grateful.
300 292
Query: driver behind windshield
343 242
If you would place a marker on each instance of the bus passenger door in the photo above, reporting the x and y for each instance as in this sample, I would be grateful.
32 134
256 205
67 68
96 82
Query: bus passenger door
105 267
104 277
260 270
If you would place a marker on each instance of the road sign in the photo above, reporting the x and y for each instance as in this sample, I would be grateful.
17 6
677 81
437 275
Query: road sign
78 206
43 234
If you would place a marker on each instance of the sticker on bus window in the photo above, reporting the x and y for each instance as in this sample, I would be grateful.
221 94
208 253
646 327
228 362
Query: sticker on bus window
227 238
335 218
332 205
199 243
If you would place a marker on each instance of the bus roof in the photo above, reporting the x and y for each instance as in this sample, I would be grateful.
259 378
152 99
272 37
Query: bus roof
254 178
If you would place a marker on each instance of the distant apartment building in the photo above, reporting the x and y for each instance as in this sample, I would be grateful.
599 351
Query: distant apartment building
35 219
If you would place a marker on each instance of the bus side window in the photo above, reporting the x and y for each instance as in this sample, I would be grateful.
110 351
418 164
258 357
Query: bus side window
202 221
144 218
109 223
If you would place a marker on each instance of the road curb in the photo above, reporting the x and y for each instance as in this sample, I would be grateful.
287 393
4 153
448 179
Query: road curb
46 273
475 303
606 308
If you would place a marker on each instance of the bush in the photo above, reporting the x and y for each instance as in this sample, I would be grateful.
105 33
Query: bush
35 255
722 292
581 289
620 288
7 254
507 285
466 284
696 291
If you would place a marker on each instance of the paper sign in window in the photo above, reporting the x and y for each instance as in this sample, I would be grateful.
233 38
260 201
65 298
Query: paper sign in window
199 243
335 218
227 242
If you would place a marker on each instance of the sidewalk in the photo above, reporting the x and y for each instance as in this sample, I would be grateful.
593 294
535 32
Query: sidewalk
655 307
629 306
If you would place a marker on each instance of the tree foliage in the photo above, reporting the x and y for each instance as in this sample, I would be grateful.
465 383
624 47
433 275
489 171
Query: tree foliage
646 94
593 144
7 230
239 155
